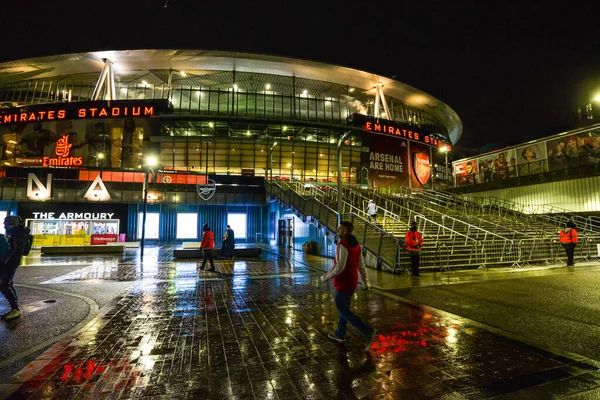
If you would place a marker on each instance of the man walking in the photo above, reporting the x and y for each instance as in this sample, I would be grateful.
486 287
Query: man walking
372 211
207 244
17 236
568 239
347 264
414 242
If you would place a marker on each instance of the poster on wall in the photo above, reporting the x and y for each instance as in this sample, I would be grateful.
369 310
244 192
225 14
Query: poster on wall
497 167
574 150
388 162
531 159
119 139
465 172
420 165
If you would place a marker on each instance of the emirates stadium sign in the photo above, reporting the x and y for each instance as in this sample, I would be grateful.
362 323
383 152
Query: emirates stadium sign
83 110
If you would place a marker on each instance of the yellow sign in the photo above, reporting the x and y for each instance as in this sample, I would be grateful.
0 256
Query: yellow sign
61 240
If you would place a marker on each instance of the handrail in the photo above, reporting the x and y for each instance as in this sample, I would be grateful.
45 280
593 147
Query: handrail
589 224
278 189
429 197
454 220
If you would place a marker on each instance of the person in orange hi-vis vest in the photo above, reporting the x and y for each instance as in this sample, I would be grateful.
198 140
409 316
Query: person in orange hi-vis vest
568 239
414 242
208 244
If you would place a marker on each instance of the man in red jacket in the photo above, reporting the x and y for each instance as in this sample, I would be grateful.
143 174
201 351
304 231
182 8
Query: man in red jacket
208 244
347 264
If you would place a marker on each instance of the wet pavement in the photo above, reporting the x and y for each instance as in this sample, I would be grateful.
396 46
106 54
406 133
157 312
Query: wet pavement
257 329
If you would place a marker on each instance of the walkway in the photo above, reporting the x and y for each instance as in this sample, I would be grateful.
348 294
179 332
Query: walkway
257 330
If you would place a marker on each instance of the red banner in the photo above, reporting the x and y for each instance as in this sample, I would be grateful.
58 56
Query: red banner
98 239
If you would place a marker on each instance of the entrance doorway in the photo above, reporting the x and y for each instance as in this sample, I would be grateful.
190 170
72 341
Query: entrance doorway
285 232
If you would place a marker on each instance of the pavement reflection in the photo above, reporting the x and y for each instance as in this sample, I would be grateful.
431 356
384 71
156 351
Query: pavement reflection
258 329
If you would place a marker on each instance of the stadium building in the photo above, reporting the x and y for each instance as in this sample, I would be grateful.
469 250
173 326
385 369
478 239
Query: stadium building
79 131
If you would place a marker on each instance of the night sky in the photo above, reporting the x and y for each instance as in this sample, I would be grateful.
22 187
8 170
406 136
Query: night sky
511 72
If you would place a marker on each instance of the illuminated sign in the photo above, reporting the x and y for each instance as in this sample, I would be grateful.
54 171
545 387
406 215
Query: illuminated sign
83 110
62 150
421 167
71 215
396 129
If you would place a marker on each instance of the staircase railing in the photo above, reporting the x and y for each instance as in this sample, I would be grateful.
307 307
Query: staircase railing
375 240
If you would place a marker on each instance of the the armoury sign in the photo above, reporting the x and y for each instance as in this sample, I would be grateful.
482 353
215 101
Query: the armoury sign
396 129
36 190
82 110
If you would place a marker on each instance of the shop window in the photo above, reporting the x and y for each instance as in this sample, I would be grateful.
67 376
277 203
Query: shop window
152 225
238 224
187 226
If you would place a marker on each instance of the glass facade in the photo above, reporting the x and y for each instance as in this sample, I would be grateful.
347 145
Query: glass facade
227 93
293 152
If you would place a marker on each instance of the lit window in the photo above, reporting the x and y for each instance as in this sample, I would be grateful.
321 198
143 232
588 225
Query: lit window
152 225
238 224
187 226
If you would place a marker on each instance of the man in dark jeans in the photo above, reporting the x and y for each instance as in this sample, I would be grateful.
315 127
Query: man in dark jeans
16 234
347 265
208 244
229 243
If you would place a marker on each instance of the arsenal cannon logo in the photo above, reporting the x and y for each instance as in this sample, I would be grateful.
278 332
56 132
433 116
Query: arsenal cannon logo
421 167
206 190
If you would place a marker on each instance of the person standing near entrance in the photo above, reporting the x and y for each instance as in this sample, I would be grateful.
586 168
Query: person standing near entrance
16 235
229 243
372 211
568 239
207 244
347 265
414 242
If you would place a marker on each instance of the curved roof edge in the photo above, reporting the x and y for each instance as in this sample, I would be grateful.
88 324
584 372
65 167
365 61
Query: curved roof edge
68 64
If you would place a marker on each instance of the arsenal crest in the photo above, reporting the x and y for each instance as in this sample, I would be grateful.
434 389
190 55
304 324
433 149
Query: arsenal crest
206 190
421 167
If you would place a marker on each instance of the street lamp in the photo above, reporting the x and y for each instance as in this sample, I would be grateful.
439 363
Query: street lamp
100 156
339 173
446 150
149 163
271 160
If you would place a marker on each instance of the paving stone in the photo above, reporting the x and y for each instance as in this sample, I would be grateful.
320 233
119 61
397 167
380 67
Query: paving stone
258 329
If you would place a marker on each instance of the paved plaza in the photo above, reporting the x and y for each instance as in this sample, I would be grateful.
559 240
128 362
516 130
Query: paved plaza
257 329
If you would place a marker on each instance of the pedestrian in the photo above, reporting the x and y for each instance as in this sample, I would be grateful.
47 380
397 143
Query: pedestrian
414 242
207 245
347 265
372 211
229 243
17 237
568 240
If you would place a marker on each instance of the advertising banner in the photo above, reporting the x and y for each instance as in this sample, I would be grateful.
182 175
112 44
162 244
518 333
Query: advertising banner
465 172
497 167
420 165
388 162
531 159
574 150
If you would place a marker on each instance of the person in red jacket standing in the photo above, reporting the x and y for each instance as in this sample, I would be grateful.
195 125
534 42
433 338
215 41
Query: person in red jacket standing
414 242
208 244
568 240
347 264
